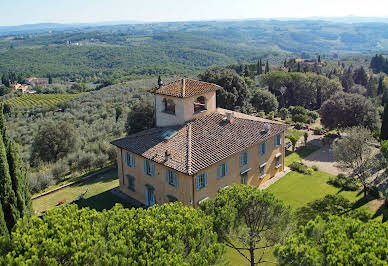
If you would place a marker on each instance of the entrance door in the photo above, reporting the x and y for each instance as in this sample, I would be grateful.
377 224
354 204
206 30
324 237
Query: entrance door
150 197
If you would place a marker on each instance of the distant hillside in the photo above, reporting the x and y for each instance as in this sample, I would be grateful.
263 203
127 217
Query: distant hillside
179 47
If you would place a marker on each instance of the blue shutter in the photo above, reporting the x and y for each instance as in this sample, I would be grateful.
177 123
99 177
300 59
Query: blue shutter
176 179
152 169
219 171
167 176
205 179
247 157
265 147
241 159
126 158
226 168
146 197
133 161
145 166
197 182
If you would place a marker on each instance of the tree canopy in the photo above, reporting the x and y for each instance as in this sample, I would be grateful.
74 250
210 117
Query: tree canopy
170 234
248 219
140 117
309 90
263 100
54 141
338 241
346 110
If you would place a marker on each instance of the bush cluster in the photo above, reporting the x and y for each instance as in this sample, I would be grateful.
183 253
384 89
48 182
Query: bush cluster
302 168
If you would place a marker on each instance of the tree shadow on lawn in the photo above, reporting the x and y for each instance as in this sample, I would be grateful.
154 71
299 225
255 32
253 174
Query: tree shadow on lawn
362 201
383 210
103 201
103 178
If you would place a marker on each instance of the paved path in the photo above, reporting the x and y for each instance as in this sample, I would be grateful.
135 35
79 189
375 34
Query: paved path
275 178
323 158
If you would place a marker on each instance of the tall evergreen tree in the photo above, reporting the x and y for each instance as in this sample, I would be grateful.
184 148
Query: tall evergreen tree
50 79
259 69
7 195
360 77
319 58
3 225
14 193
371 87
267 67
384 125
298 67
380 88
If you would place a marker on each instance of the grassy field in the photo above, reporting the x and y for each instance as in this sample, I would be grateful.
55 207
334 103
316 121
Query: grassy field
97 197
39 99
299 154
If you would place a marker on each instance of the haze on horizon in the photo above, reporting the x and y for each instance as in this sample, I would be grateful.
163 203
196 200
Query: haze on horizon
89 11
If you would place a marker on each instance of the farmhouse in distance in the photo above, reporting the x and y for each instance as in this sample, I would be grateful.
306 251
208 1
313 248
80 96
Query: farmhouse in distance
196 149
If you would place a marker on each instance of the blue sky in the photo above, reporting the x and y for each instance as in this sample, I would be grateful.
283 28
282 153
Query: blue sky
16 12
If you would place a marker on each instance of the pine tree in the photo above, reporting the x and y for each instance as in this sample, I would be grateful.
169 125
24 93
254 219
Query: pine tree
267 67
384 126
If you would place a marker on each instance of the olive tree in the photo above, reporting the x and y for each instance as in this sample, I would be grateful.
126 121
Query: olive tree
356 153
249 220
54 141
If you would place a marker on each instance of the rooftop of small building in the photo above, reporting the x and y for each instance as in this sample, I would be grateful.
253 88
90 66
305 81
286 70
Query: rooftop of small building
184 88
201 142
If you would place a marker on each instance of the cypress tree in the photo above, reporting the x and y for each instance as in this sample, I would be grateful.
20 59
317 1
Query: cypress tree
380 88
384 126
3 225
7 195
266 68
298 68
371 87
19 180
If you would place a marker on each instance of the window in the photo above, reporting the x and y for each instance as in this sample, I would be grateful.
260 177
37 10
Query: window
263 148
222 170
244 178
200 104
168 134
201 181
131 182
278 140
169 106
262 170
171 178
129 159
278 162
149 168
243 158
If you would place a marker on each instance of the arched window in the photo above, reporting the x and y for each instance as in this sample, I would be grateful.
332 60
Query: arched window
169 106
200 104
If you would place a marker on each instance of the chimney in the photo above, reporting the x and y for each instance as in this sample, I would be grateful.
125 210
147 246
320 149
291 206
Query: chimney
267 127
183 87
230 117
167 155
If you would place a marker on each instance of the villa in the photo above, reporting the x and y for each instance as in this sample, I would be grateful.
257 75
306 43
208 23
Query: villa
196 149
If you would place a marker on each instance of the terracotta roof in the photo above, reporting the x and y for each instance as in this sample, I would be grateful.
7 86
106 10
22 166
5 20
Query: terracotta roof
201 142
185 87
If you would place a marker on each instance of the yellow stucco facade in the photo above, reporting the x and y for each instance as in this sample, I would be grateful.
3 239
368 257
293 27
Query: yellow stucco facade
186 190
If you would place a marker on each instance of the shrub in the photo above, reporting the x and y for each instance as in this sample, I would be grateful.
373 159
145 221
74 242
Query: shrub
300 118
299 125
39 181
319 131
301 168
313 115
59 169
283 112
315 168
271 115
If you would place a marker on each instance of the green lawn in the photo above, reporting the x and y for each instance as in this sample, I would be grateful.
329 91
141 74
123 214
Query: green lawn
97 197
300 153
